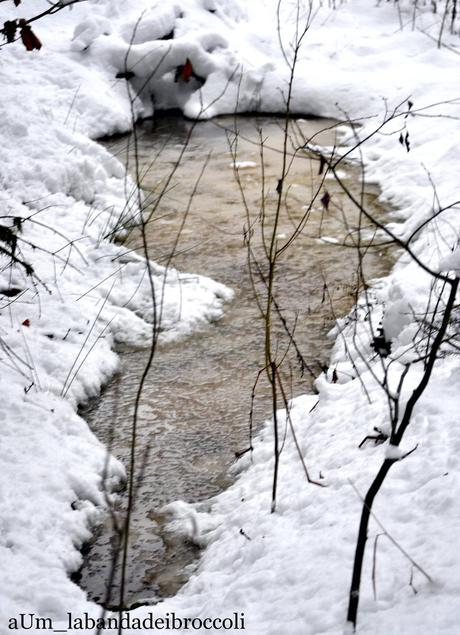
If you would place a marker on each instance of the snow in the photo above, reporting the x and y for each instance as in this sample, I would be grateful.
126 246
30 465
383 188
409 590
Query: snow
293 575
394 452
85 294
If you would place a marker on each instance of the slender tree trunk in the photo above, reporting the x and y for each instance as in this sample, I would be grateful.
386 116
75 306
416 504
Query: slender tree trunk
362 539
395 439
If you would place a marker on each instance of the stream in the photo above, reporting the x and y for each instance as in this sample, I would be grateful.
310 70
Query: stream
194 411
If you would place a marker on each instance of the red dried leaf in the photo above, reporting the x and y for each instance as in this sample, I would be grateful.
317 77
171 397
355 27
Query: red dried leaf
187 70
26 322
29 39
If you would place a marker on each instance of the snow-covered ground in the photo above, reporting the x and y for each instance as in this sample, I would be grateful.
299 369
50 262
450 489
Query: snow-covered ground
292 576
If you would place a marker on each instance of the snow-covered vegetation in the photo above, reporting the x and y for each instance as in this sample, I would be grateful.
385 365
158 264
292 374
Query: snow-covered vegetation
72 292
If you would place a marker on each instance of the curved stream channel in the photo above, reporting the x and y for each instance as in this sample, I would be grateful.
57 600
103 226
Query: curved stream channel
194 412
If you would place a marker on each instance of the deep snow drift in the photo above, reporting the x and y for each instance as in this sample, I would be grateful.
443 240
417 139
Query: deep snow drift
292 577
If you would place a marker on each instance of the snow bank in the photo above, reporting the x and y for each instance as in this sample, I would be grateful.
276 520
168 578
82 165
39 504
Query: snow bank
65 198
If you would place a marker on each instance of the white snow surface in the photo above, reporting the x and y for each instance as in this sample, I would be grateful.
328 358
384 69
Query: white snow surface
292 576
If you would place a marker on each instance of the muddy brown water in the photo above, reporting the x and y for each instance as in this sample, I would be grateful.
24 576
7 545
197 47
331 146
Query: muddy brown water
194 411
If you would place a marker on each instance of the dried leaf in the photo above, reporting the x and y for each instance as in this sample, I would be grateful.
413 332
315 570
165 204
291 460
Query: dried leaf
187 70
26 322
406 142
126 75
8 236
325 200
322 163
9 30
28 37
11 292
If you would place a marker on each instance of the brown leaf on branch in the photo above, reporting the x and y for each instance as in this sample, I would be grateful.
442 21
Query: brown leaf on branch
9 30
28 37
